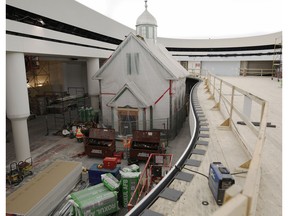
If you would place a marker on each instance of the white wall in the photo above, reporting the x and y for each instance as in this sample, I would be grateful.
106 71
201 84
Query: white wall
75 75
221 68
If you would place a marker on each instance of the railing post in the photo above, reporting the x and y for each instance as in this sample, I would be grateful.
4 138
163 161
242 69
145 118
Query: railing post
220 93
232 103
214 86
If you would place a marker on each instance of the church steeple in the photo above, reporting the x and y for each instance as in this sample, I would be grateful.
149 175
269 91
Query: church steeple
146 25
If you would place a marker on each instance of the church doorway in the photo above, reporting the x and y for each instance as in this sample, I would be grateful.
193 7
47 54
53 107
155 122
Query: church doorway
128 120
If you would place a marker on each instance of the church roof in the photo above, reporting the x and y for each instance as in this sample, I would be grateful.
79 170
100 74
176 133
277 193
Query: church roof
157 51
146 18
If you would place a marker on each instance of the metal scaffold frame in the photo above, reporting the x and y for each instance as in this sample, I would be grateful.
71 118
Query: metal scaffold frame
277 60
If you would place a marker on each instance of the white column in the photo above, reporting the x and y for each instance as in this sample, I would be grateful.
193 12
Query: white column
93 85
17 103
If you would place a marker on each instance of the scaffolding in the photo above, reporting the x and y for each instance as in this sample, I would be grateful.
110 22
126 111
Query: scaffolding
63 107
157 166
277 60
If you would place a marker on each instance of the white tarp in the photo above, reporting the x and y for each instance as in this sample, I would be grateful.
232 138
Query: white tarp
140 74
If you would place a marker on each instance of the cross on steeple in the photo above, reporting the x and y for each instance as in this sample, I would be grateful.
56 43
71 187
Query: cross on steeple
146 4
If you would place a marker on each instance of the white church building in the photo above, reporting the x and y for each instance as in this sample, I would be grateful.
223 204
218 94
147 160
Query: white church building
141 86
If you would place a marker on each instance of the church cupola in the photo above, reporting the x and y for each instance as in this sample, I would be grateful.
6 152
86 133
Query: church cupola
146 25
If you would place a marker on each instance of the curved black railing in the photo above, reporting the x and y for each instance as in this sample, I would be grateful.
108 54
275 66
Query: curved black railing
154 193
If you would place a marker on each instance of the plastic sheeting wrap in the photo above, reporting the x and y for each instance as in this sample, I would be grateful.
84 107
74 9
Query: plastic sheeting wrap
129 181
143 76
110 181
97 200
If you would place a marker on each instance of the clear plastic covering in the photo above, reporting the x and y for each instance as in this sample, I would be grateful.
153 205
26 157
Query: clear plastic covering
140 82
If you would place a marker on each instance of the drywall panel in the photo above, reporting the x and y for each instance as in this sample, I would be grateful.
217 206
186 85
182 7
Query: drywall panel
221 68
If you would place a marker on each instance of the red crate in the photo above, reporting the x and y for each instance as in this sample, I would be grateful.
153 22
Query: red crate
119 156
109 162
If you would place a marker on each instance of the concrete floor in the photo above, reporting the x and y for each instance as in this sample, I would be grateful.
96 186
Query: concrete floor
47 148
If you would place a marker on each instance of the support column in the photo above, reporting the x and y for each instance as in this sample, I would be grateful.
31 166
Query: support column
17 103
93 85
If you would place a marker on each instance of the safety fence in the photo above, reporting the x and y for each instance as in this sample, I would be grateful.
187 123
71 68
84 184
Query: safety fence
155 169
237 106
258 72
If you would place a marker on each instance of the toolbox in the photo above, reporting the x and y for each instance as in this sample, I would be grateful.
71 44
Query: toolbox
100 142
144 143
219 180
119 156
109 162
95 173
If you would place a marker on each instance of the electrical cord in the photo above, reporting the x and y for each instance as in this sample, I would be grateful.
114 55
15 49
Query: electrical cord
196 172
208 177
238 173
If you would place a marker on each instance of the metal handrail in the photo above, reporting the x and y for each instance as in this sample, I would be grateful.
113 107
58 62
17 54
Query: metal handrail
154 193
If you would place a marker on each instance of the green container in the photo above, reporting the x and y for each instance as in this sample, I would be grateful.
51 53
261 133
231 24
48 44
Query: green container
86 114
96 200
129 181
82 114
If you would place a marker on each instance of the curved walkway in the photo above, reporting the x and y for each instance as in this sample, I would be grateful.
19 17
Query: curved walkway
224 147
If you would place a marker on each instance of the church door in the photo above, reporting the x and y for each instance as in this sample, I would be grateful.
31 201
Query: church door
128 120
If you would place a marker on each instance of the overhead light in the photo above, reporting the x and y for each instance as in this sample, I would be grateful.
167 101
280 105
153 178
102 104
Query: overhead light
41 21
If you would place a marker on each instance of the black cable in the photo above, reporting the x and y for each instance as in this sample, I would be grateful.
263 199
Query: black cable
238 173
197 172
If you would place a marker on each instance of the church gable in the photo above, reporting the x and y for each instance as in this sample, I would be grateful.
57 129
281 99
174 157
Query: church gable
130 58
130 96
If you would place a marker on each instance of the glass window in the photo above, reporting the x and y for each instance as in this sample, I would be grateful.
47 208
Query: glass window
132 63
143 31
150 31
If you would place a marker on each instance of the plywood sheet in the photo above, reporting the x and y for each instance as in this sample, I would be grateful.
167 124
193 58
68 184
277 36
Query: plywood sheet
44 189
